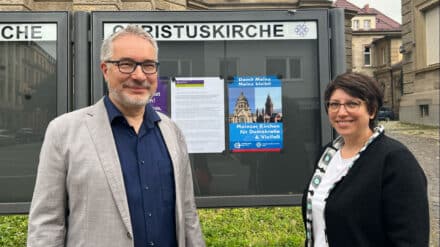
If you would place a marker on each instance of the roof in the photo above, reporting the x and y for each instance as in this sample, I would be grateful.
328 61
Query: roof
387 36
383 22
346 5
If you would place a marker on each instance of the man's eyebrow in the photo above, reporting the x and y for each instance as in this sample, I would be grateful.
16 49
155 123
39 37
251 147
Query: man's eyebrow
149 61
125 59
131 59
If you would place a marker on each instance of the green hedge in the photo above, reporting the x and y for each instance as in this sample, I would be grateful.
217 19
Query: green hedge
277 226
268 227
13 230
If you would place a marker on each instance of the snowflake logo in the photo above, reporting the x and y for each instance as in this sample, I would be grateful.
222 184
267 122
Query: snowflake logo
301 29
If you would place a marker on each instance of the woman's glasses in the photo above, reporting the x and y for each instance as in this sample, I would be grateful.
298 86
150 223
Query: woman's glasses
350 106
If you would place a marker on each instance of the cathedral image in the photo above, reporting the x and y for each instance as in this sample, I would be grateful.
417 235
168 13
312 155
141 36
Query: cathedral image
243 112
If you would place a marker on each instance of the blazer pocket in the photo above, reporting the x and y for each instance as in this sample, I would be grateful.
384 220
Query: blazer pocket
166 176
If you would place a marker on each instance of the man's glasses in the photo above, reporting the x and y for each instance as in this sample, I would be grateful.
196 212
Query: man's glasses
350 106
129 66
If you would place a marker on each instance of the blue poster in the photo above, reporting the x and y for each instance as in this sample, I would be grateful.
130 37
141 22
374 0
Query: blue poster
255 114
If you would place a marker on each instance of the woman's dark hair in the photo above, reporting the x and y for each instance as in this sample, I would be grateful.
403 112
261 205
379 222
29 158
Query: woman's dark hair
359 86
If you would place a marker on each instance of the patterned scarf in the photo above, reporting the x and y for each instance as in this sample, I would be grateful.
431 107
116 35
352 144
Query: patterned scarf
325 159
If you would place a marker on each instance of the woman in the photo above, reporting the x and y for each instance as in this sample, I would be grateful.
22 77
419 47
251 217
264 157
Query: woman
367 189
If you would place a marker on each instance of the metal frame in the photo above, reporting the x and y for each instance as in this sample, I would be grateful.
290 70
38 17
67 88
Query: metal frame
63 70
81 47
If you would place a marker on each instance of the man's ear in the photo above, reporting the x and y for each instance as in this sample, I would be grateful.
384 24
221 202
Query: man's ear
104 69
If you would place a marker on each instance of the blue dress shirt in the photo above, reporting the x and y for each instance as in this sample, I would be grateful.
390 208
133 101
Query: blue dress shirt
148 178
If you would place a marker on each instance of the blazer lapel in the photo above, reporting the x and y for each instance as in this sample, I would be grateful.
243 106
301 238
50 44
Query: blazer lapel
102 136
170 140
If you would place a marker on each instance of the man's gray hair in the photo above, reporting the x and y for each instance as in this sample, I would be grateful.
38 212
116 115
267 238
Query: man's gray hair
107 49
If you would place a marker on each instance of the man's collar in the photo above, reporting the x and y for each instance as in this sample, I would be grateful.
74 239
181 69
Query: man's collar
150 115
112 111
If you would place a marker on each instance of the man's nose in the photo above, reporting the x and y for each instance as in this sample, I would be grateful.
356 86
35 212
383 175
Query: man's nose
138 74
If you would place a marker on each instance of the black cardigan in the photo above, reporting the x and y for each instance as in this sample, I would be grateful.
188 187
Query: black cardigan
382 201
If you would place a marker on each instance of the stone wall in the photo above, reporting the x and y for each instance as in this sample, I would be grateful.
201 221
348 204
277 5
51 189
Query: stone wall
91 5
118 5
358 44
348 38
390 79
420 82
395 54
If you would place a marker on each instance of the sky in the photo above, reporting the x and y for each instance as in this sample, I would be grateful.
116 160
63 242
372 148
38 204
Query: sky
391 8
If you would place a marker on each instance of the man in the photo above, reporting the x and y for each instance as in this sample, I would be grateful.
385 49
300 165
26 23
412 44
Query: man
116 173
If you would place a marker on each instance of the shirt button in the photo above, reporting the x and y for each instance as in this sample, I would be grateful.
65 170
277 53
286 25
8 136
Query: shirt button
149 214
141 162
147 188
150 243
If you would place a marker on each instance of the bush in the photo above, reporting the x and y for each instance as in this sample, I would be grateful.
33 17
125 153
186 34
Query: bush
277 226
13 230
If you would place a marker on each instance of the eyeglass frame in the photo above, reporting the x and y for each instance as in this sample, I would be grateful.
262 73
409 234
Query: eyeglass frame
117 62
354 107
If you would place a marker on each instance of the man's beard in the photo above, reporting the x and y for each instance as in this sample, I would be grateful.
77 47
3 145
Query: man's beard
130 100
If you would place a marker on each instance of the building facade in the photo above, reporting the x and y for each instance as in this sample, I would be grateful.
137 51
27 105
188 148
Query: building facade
26 75
375 49
421 70
242 111
145 5
367 25
388 69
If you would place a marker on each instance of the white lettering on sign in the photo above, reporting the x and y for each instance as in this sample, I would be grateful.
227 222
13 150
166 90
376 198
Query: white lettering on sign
28 32
224 31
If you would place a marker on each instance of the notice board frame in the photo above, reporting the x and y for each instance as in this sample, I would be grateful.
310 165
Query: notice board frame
63 80
325 71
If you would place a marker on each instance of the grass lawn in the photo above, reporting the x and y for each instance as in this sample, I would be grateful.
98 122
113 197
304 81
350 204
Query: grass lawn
276 227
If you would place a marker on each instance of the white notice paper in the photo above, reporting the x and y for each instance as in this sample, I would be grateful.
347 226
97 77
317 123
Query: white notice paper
198 108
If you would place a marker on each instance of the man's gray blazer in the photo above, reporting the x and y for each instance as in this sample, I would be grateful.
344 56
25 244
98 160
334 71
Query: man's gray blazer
79 197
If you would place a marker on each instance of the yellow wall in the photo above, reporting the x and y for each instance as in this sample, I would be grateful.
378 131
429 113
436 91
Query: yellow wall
361 19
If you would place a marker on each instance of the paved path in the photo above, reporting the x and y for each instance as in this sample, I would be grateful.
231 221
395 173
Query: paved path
426 150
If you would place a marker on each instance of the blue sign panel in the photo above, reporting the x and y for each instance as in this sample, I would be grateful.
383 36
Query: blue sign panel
255 114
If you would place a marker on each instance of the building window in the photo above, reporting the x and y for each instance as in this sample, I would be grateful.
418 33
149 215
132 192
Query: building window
288 68
384 52
175 67
367 56
432 35
424 110
367 24
229 67
355 25
295 68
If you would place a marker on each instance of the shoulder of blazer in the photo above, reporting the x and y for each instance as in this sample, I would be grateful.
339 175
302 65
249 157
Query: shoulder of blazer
384 145
75 118
76 114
